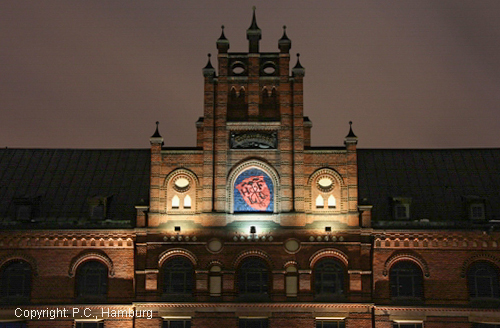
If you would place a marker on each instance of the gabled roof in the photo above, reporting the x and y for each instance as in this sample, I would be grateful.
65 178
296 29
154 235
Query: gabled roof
61 182
438 181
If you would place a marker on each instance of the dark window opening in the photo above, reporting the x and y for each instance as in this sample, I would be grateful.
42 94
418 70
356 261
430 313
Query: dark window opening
253 277
92 280
253 323
329 278
177 324
16 280
269 107
483 280
237 107
406 280
13 325
99 324
178 277
407 325
330 324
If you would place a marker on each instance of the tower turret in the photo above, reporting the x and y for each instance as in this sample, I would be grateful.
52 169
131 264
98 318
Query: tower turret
284 43
222 42
254 34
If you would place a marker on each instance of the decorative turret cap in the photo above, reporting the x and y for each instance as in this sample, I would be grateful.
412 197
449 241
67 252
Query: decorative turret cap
222 42
298 70
284 43
209 70
156 138
351 138
254 34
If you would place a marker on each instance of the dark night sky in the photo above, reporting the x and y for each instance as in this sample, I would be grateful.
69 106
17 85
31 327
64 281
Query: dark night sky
98 74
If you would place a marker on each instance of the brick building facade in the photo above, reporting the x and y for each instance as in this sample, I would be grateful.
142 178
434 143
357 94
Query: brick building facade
253 227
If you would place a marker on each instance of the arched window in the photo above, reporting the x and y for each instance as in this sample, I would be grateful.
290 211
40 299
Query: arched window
320 202
331 202
329 278
187 202
406 280
92 280
215 281
253 277
175 202
178 276
16 280
237 106
483 280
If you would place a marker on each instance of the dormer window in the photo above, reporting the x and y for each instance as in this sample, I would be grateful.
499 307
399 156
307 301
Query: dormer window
476 211
23 212
26 208
401 208
475 207
97 207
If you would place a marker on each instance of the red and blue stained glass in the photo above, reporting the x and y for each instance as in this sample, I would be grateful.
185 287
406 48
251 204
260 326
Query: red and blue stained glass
253 192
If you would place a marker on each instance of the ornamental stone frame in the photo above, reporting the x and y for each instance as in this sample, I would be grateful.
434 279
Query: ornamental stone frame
246 165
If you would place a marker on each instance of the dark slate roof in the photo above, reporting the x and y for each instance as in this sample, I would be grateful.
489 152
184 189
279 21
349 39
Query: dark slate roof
61 181
438 181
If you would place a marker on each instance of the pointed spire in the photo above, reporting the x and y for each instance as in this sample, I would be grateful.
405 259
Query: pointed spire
222 42
298 70
209 70
156 138
351 134
254 26
284 43
351 138
254 34
157 133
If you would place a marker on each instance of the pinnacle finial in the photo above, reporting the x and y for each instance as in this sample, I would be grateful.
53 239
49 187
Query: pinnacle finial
157 133
208 70
254 34
284 43
351 133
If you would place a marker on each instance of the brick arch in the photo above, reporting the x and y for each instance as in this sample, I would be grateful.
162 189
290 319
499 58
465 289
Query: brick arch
87 256
193 191
406 256
181 171
253 253
168 254
484 257
290 263
15 256
215 263
326 171
243 166
328 253
312 192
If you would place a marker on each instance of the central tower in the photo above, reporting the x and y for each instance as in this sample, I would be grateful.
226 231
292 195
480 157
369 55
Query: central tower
254 104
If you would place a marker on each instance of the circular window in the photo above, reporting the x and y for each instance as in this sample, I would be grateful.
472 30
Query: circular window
292 246
325 183
214 246
269 68
238 68
181 184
